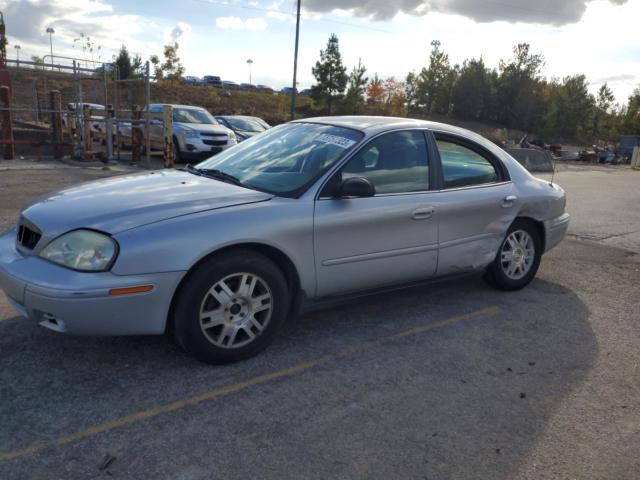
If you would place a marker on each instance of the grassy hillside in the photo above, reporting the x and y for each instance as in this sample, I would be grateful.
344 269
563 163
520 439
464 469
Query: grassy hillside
273 107
30 88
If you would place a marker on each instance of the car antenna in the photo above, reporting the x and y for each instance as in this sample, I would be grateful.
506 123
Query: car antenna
553 168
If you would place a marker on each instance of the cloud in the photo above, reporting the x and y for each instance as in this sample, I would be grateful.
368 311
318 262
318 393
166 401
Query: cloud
620 78
179 32
283 17
236 23
27 20
552 12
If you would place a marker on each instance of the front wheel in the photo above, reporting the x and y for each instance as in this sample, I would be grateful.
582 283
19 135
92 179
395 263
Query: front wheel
518 259
177 157
230 307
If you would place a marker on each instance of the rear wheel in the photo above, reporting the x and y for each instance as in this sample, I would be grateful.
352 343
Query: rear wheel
518 259
230 307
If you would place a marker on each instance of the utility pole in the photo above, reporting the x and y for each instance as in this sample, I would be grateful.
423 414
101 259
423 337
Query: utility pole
295 66
17 47
51 31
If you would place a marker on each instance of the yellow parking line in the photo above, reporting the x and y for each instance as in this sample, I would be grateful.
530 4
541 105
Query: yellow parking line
236 387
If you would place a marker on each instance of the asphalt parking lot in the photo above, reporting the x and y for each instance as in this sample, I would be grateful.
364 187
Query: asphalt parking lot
447 381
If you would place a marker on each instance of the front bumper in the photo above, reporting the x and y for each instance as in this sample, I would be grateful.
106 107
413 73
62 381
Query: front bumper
197 148
79 302
555 230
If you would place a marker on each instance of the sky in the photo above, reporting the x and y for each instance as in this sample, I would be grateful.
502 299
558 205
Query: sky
598 38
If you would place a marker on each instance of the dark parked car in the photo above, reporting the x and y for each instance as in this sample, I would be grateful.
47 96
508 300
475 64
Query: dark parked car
243 126
230 85
264 88
191 80
212 80
287 90
247 86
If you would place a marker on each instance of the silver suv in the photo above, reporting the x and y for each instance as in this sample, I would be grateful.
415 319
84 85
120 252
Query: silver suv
196 133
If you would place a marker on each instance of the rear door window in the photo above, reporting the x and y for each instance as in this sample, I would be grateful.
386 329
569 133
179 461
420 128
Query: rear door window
463 167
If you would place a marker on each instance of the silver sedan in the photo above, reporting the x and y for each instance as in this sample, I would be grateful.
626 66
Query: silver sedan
220 254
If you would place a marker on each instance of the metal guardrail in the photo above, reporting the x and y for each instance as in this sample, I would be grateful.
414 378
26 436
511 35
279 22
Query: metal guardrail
42 66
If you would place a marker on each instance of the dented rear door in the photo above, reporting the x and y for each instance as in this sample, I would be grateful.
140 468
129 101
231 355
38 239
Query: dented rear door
475 205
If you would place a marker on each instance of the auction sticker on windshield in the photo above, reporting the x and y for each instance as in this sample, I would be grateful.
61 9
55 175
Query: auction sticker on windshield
336 140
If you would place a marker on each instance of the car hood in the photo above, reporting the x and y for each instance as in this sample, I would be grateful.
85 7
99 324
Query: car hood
121 203
204 127
246 134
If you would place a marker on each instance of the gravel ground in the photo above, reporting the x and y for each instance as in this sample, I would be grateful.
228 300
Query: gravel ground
452 380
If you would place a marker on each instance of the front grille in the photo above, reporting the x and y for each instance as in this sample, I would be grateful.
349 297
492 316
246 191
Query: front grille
219 135
27 237
215 143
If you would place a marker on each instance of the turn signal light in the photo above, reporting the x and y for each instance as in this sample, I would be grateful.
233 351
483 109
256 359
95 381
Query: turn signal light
130 290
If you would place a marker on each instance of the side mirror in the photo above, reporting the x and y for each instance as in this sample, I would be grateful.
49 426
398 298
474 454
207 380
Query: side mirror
357 187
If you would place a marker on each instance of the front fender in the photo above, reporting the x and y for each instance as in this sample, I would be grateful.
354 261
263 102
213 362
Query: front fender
178 244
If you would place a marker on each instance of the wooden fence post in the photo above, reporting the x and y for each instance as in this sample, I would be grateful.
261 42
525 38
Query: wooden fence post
109 126
7 125
136 135
167 116
87 143
55 105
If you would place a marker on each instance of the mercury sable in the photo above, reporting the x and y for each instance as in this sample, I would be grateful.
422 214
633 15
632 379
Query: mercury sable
220 254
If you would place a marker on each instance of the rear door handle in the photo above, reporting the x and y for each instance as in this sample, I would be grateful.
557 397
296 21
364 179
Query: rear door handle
508 201
422 213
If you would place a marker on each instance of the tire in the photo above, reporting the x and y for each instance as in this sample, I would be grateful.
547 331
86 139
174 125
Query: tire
177 156
243 292
502 273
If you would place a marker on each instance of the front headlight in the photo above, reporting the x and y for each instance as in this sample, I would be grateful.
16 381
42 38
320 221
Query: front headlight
189 133
232 137
84 250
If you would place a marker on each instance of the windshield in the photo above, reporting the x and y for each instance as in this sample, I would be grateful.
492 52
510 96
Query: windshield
193 115
245 124
284 159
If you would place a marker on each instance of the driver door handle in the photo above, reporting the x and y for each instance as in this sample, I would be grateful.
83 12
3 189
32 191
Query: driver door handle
423 213
508 201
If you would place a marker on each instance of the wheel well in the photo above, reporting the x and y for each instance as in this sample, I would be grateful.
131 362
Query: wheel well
539 226
282 261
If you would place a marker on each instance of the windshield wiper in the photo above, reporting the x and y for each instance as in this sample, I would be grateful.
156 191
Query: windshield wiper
215 173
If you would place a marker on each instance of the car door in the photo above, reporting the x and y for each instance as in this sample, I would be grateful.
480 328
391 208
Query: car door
388 238
476 204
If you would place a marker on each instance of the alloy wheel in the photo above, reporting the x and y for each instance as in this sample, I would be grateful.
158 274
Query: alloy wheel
517 254
235 310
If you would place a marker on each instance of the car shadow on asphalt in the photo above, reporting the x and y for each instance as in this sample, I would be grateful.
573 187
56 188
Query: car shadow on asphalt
467 400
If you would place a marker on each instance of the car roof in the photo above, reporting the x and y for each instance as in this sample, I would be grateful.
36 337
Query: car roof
249 117
176 105
372 124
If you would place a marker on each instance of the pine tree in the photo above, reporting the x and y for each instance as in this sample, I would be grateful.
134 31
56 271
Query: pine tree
330 74
357 88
